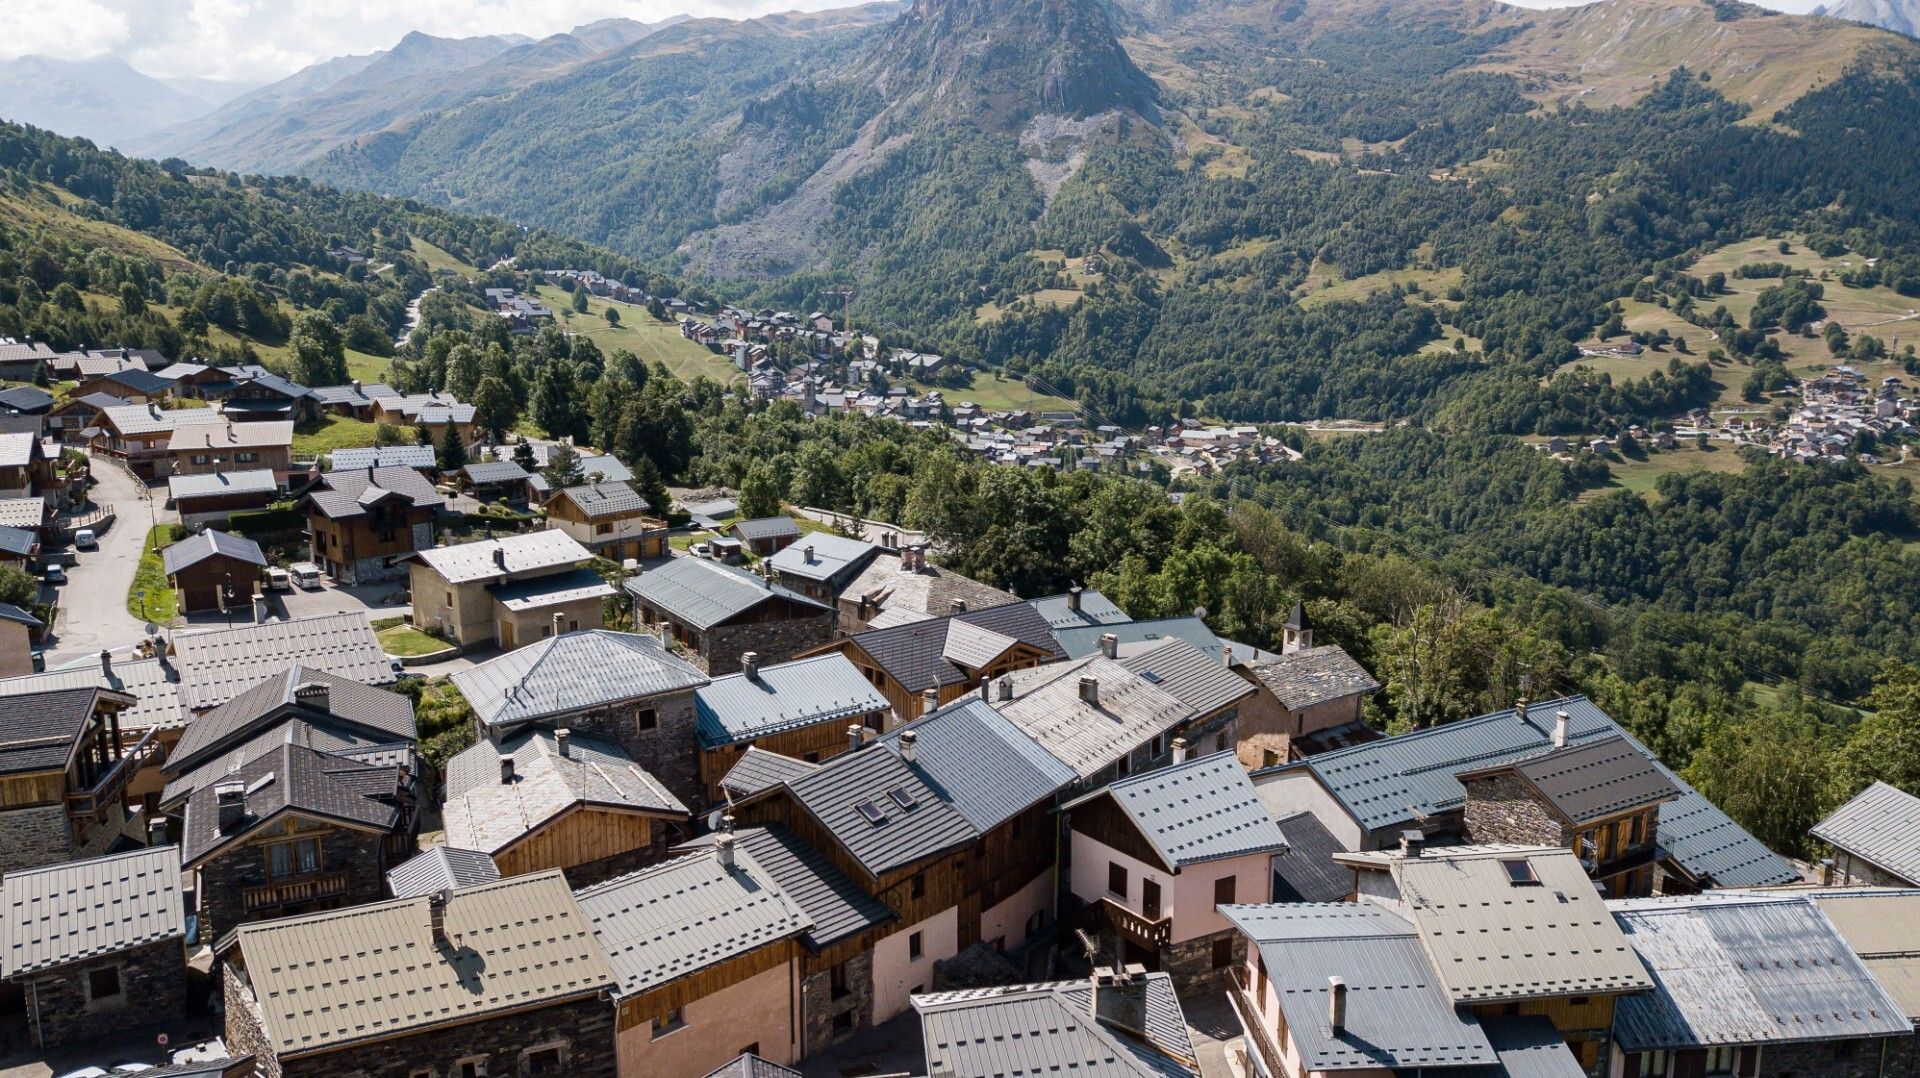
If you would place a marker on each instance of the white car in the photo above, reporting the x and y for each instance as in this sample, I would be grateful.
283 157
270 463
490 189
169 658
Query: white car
700 550
84 539
279 580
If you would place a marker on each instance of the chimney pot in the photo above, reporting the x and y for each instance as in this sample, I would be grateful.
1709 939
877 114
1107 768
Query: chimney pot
1006 687
1179 750
1826 872
929 701
1073 599
1090 688
506 769
559 623
909 745
809 553
958 606
500 558
1520 709
855 733
437 916
1413 842
1562 728
750 664
726 823
157 831
563 742
1120 998
1110 645
1337 1005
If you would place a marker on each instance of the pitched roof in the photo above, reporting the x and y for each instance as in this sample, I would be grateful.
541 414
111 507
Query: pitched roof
217 484
293 778
20 542
895 836
483 560
1731 969
1203 809
138 379
1591 781
680 916
38 730
1398 1013
1883 928
572 672
156 699
1129 711
915 654
1881 825
931 591
832 556
765 528
1398 780
314 694
10 612
85 909
757 769
748 1065
1306 871
153 419
231 436
26 399
1095 609
1303 679
1528 1047
211 543
703 593
835 905
386 456
1032 1029
484 813
335 739
440 868
218 664
1186 673
343 494
23 512
981 763
785 696
494 471
607 499
554 589
367 972
17 450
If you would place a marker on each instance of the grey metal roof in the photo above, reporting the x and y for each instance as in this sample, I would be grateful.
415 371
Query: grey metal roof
1048 1028
19 542
1881 825
484 813
317 696
156 698
757 769
537 592
86 909
835 905
914 654
681 916
26 399
522 553
833 556
1528 1047
215 484
1203 809
785 696
386 456
832 793
608 499
1398 1015
985 766
765 528
1188 674
211 543
440 868
703 593
1746 969
1594 780
153 419
570 673
1095 609
293 778
972 647
218 664
1085 639
1303 679
1399 780
1883 928
1306 871
748 1065
343 494
494 471
10 612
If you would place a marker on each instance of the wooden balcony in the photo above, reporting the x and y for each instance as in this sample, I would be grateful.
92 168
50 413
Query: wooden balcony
1129 925
1246 1008
83 804
297 889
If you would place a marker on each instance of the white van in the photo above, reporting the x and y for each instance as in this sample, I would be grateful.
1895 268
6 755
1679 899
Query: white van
84 539
279 580
306 575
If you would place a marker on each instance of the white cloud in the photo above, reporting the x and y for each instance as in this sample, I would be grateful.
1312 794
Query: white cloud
70 29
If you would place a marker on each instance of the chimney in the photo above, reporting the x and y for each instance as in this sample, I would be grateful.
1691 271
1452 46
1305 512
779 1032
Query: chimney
506 769
750 665
1110 645
723 849
315 694
929 701
957 606
1120 998
500 558
1179 750
909 744
559 623
808 553
1562 726
1520 709
106 664
157 831
1006 687
1336 1005
231 799
563 743
1090 689
1826 872
437 917
855 733
1073 599
1412 842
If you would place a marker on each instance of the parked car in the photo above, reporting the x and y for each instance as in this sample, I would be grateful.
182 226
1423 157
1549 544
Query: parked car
84 539
700 550
279 579
306 575
55 575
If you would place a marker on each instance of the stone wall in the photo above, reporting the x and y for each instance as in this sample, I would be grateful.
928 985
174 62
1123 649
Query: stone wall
776 641
1190 963
35 836
819 1008
1836 1059
1851 871
1501 809
245 1035
153 989
224 879
670 752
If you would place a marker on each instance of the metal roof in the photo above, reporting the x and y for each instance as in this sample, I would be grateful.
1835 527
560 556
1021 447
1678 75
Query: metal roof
608 499
972 647
1203 809
913 654
1048 1028
522 553
1305 871
1397 781
703 593
831 556
1303 679
1528 1047
1085 639
23 512
785 696
293 778
386 456
211 543
10 612
1881 825
218 664
1190 675
757 769
85 909
834 792
258 435
153 419
20 542
371 972
321 698
1746 969
680 916
26 399
484 813
572 672
748 1065
765 528
494 471
1095 609
835 905
1883 928
340 740
1398 1013
1129 711
440 868
539 592
17 450
985 766
213 485
344 493
156 698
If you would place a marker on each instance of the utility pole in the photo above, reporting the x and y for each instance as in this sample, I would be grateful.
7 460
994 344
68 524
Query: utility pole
846 307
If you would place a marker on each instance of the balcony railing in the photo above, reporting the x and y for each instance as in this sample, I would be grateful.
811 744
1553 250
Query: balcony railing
1247 1009
300 889
88 802
1128 924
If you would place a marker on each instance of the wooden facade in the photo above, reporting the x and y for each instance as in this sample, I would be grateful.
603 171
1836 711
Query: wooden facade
635 535
656 1003
814 744
581 835
908 706
385 530
216 582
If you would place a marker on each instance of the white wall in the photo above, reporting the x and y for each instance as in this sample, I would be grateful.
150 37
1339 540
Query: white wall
1285 793
896 976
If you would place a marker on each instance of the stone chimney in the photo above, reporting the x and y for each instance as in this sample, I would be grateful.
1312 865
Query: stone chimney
1110 645
1073 599
723 849
1336 1005
506 769
316 695
1120 998
1520 709
1562 728
563 742
1826 872
1179 750
231 800
855 734
559 623
1090 689
106 664
437 917
909 745
1412 843
957 606
750 665
929 701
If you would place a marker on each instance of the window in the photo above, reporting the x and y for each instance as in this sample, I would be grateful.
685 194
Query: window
544 1059
449 598
300 857
1269 758
471 1067
1637 831
1159 744
200 458
1520 873
603 527
1223 952
843 1023
1720 1059
245 458
424 1072
672 1022
1117 880
103 983
1652 1065
914 947
1223 890
917 888
649 719
837 978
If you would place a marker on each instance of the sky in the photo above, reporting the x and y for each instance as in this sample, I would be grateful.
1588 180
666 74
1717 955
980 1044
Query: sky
262 40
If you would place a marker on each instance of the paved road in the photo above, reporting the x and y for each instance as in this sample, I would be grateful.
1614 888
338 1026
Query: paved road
93 604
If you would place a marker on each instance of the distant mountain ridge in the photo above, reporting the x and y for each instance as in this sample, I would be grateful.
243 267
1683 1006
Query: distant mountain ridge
103 99
1900 16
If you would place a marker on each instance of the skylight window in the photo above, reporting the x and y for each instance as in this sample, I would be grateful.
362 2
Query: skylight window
1521 873
871 812
1152 678
901 797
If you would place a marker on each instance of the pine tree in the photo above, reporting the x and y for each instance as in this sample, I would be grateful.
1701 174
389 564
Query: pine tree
453 453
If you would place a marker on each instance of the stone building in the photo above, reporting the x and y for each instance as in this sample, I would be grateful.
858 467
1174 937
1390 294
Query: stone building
96 944
499 979
895 589
716 614
1122 1021
821 567
1309 699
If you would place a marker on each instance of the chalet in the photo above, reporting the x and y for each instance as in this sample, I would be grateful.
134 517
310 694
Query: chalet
1871 838
513 591
821 567
1121 1022
1154 854
1078 608
497 480
25 470
216 665
363 522
718 614
63 774
441 868
897 589
19 547
546 799
430 413
97 944
26 400
213 498
87 363
140 433
206 448
213 571
70 420
766 536
799 709
942 659
620 688
17 629
698 944
353 400
609 518
258 395
198 381
134 385
156 710
1308 699
496 979
23 361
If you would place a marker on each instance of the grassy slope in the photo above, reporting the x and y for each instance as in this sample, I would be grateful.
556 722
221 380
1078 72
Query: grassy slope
161 605
653 342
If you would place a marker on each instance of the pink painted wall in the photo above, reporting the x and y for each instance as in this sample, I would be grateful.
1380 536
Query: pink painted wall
1009 918
1193 892
758 1010
896 975
1089 880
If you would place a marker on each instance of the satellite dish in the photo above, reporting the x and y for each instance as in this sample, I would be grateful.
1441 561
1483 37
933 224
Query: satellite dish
1200 612
713 819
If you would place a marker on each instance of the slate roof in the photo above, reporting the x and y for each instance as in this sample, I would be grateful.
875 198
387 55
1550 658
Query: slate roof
608 499
1731 969
757 769
156 699
835 905
1306 872
218 664
138 379
330 979
703 593
832 793
1592 781
1095 609
1398 781
748 1065
342 740
38 730
383 714
1204 809
386 456
1085 640
929 592
1047 1028
293 778
524 553
914 654
570 673
1881 825
17 450
216 484
681 916
1130 711
834 557
87 909
785 696
537 592
494 471
1186 673
440 868
352 394
765 528
211 543
483 813
1313 676
344 494
981 763
1398 1014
